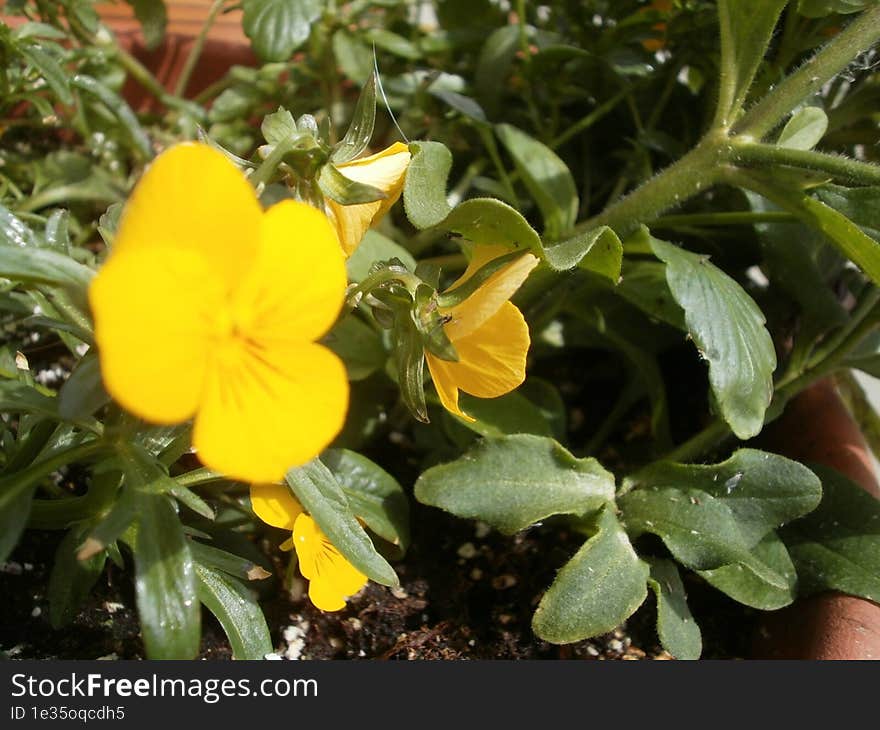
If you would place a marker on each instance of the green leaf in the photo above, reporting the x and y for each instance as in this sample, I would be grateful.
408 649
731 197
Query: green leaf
766 580
13 232
373 248
373 494
117 106
491 222
17 397
762 490
50 70
512 482
278 127
237 610
83 392
746 28
354 57
676 628
393 43
643 284
494 63
505 415
699 530
804 130
71 579
463 104
278 27
837 547
57 231
822 8
43 266
226 562
856 245
165 581
860 205
598 250
728 329
153 19
598 589
546 177
15 507
424 189
360 128
344 190
358 345
322 496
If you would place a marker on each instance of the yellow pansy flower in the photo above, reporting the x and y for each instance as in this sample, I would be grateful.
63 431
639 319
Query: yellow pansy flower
488 332
386 171
331 577
209 307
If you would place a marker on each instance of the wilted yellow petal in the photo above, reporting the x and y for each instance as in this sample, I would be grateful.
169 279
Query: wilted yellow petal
331 577
487 300
267 408
193 198
386 171
275 505
153 309
492 360
296 286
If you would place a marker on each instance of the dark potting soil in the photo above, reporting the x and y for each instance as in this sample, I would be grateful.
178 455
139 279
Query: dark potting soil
466 593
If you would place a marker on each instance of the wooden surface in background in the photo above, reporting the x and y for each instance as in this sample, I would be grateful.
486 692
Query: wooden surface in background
184 18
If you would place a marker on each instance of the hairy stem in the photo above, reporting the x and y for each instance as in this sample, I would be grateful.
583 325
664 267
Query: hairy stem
860 35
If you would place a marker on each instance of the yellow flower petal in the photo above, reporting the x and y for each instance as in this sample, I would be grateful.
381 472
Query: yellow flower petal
492 360
152 308
193 198
331 577
386 171
275 505
485 302
265 409
296 286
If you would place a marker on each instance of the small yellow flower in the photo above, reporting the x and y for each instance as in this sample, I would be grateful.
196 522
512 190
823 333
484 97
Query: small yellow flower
488 332
386 171
209 307
331 577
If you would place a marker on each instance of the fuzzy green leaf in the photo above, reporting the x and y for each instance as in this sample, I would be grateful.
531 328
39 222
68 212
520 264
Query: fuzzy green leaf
766 580
512 482
837 547
762 490
678 632
728 328
424 189
595 591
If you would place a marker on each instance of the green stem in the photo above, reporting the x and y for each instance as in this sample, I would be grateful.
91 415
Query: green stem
589 120
732 218
767 155
837 54
697 170
265 171
195 53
